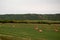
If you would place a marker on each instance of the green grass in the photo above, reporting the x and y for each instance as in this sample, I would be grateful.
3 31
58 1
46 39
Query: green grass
27 31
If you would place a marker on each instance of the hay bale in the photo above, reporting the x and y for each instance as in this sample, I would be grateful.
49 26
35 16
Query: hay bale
56 30
40 30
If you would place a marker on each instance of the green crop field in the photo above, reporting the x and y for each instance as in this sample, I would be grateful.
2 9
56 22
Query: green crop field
19 31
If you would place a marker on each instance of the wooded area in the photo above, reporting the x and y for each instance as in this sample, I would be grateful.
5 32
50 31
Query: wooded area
54 17
30 18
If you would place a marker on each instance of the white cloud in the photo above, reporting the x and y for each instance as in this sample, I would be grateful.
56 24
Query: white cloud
26 6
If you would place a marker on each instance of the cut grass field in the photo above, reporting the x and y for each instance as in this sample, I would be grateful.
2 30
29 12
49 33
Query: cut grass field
16 31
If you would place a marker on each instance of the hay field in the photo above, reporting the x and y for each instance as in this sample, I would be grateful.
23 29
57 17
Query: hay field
17 31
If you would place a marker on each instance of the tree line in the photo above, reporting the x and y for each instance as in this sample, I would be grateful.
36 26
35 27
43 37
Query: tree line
53 17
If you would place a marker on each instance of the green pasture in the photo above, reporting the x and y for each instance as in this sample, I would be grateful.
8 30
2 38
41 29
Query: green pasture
17 31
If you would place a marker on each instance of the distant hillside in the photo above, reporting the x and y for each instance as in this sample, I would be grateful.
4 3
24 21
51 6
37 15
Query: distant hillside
55 17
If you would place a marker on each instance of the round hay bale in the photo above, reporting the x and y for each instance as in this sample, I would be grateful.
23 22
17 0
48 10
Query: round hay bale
56 30
40 30
36 28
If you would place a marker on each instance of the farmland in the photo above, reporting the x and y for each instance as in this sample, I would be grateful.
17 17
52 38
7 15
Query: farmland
19 31
30 27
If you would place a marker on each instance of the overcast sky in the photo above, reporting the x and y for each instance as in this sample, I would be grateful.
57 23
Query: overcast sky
29 6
